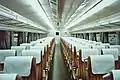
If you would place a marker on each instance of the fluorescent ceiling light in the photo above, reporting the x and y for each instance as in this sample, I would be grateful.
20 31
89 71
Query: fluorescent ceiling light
37 8
96 9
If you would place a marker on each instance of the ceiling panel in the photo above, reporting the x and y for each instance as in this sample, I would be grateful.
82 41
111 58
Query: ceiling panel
60 11
105 12
25 10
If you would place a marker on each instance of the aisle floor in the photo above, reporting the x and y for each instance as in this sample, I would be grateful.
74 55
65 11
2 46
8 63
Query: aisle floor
59 69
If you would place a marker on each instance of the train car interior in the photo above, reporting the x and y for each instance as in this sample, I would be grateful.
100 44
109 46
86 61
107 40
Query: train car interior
59 39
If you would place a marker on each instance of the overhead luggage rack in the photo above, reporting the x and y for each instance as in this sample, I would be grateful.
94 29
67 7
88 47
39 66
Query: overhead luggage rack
8 21
110 23
10 18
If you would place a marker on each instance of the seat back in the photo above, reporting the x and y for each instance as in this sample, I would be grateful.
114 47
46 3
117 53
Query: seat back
41 44
10 77
27 45
24 66
75 63
97 43
3 55
6 53
111 51
100 47
37 55
113 75
87 52
40 48
33 43
18 49
83 54
116 46
107 45
115 53
98 65
78 47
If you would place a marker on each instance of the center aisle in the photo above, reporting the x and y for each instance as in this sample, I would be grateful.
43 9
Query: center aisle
59 69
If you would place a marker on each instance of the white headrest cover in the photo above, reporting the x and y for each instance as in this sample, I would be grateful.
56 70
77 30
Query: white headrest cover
99 48
116 74
90 45
35 53
78 46
20 65
26 44
116 46
81 47
107 45
97 43
41 44
8 76
88 52
40 48
113 52
47 43
33 43
102 64
18 49
6 53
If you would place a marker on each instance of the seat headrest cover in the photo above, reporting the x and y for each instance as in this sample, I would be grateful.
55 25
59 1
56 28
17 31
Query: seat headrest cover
99 48
97 43
113 52
40 48
8 76
116 46
6 53
41 44
33 43
102 64
107 45
26 44
18 49
20 65
81 47
116 74
88 52
35 53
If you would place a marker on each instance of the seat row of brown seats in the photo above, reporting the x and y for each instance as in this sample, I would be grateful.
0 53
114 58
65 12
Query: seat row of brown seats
80 65
24 65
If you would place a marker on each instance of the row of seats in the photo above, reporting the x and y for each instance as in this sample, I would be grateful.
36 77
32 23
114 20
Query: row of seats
29 61
89 60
